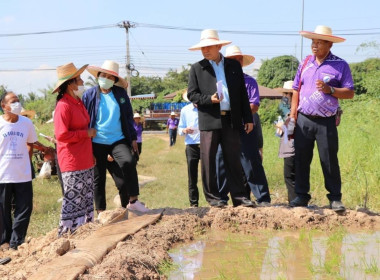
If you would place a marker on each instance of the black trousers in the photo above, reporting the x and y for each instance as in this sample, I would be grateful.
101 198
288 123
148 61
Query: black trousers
193 157
290 176
229 140
22 195
121 153
324 132
172 136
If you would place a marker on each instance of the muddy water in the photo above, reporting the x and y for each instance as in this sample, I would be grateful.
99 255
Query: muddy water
280 255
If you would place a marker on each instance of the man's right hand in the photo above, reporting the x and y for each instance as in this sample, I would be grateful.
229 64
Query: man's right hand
91 132
188 130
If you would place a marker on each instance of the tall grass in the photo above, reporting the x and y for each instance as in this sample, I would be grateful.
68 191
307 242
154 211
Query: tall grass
359 157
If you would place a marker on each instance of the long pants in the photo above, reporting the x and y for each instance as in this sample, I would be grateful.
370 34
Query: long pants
290 176
253 170
121 153
193 157
122 186
172 136
14 233
229 140
324 132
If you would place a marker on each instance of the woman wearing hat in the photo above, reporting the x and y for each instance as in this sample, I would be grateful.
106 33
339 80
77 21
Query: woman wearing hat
74 150
111 115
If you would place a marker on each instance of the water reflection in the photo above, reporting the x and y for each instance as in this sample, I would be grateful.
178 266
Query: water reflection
272 255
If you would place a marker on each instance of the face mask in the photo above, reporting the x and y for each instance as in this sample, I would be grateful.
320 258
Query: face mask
16 108
105 83
79 91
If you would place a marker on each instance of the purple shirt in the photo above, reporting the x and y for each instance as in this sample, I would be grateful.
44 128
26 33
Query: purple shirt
252 90
172 123
139 130
316 103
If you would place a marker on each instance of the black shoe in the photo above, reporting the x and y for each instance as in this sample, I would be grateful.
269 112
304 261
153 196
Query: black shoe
337 206
245 202
218 204
299 202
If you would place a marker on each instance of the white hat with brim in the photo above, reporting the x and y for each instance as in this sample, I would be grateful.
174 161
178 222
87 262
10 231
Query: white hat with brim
235 51
67 72
209 37
108 67
172 114
322 32
28 113
288 87
136 115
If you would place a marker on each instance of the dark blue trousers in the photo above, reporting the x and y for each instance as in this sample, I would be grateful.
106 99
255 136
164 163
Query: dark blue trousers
172 136
324 132
14 233
253 170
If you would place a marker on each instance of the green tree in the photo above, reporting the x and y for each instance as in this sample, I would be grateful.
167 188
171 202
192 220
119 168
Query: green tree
361 73
274 72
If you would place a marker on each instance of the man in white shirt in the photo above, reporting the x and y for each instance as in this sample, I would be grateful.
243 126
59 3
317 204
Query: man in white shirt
17 135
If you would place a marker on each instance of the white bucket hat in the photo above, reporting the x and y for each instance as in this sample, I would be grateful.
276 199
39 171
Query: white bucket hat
235 51
108 67
172 114
322 32
209 37
136 115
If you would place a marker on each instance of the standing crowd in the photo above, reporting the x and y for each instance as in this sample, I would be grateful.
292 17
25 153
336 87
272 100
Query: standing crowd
96 130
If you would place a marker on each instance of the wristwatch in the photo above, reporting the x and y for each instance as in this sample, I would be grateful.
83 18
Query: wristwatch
332 90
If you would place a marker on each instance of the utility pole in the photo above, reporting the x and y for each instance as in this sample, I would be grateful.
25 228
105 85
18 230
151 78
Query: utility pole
127 25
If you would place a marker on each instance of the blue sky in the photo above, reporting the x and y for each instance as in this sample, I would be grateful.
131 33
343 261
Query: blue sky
154 50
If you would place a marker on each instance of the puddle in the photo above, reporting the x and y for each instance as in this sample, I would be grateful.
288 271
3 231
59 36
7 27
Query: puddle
279 255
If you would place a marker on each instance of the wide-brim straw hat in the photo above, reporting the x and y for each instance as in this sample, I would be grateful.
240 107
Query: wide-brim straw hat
28 113
322 32
173 114
184 96
288 87
209 37
109 67
235 51
67 72
136 115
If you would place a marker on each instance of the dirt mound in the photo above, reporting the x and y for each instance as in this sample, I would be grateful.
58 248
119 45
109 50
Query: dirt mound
139 256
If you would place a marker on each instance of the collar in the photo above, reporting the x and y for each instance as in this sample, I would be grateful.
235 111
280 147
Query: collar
71 99
213 63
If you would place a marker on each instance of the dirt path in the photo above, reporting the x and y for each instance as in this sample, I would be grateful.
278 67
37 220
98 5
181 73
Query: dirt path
139 255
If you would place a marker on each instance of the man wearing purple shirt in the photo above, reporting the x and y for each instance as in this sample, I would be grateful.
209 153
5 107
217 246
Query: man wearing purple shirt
171 126
250 158
321 80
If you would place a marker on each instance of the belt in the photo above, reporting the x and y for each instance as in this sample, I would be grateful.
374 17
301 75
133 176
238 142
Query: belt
225 113
315 117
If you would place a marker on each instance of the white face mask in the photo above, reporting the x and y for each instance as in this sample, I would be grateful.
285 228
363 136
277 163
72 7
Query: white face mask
79 91
16 108
105 83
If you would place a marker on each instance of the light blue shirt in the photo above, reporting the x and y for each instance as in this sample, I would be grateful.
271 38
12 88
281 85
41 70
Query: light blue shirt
189 118
220 76
108 124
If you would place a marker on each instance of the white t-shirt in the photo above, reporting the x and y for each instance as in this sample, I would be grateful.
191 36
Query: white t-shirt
14 157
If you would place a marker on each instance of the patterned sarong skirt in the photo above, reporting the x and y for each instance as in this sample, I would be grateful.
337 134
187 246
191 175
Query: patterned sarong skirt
78 200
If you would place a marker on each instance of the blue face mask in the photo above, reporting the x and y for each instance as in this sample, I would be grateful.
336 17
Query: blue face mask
105 83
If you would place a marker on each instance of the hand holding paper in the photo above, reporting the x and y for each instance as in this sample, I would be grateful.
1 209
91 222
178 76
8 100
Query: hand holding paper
219 90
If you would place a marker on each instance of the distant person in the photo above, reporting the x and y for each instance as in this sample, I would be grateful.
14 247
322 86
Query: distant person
17 135
111 115
188 126
286 150
216 86
322 78
139 130
171 126
74 150
251 158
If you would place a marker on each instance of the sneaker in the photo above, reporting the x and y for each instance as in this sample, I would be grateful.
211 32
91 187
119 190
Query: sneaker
299 202
337 206
137 206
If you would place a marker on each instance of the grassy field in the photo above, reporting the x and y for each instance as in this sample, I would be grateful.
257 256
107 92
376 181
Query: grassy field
359 156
